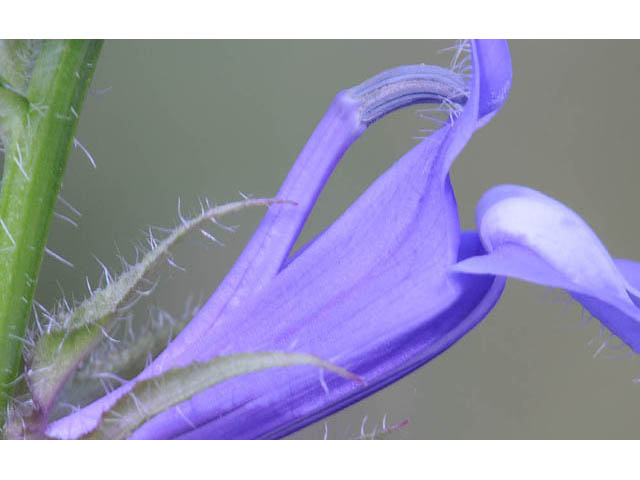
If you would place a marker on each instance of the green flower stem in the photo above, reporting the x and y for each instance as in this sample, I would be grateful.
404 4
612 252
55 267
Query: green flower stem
37 145
13 108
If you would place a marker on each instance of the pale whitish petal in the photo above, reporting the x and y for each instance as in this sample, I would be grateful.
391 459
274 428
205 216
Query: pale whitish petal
533 237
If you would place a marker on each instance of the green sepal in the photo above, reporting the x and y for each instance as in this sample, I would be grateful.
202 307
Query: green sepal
153 396
73 334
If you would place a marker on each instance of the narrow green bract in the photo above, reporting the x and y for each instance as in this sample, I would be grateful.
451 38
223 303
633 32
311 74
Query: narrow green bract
155 395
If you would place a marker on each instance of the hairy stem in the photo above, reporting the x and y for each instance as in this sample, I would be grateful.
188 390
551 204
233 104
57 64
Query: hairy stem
36 151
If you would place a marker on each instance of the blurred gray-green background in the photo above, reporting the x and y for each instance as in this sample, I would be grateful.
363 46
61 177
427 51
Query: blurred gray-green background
192 119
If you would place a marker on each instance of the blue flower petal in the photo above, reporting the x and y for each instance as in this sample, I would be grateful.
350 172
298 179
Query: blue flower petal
533 237
402 324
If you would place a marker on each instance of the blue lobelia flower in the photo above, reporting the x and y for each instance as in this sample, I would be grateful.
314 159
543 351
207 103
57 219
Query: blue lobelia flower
373 294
